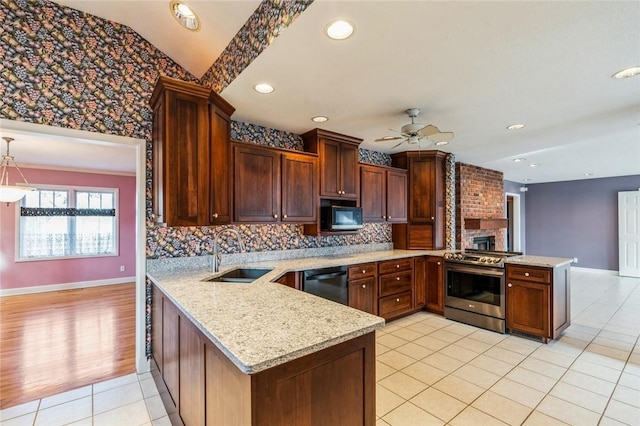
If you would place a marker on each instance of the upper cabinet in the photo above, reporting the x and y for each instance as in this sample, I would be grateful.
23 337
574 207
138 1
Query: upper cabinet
190 154
338 163
383 194
272 185
426 221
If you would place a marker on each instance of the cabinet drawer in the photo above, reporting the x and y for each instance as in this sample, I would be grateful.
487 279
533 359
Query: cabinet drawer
364 270
397 265
529 273
395 304
395 283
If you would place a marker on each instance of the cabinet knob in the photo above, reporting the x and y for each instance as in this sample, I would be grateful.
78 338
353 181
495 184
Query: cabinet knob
510 285
364 271
397 266
388 217
384 217
438 263
275 216
364 286
433 218
284 216
397 278
397 300
526 274
215 215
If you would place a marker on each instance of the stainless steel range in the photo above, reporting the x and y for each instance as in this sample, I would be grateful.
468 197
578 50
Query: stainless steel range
474 288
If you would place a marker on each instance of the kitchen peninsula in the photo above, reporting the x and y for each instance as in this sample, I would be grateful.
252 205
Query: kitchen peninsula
261 352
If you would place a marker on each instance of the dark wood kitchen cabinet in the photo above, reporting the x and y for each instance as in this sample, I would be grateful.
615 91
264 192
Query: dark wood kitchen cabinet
435 284
192 374
363 293
395 288
272 185
338 154
426 204
190 154
538 300
419 282
383 194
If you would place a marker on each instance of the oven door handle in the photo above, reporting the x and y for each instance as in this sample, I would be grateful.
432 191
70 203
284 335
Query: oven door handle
479 270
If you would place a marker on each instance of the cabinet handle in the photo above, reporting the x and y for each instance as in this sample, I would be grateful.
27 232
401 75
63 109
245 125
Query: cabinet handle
215 215
397 278
510 285
284 216
526 274
275 216
364 286
397 300
364 271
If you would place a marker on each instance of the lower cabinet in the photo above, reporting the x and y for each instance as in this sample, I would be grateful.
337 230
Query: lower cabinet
395 288
363 293
538 300
335 385
420 282
435 284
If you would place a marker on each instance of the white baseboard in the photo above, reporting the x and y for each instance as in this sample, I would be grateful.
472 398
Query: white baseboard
595 271
66 286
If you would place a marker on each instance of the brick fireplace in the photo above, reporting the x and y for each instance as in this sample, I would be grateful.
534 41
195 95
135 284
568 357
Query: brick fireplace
479 195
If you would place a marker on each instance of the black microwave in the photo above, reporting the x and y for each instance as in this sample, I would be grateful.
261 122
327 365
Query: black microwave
340 218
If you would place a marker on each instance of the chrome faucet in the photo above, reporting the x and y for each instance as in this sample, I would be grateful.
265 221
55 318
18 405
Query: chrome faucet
216 255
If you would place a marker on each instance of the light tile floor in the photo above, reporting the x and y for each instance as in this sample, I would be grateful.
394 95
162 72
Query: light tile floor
432 371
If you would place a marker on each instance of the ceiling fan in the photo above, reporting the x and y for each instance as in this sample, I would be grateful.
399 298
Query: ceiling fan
414 132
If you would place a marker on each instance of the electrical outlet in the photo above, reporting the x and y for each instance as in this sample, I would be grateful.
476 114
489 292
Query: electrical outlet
575 260
122 268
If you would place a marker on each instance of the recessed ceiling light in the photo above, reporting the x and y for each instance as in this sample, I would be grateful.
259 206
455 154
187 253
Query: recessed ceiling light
515 126
526 180
588 174
441 143
320 119
184 15
519 159
627 72
263 88
534 165
339 30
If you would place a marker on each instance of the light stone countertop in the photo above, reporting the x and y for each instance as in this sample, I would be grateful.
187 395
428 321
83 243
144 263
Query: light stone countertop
263 324
544 261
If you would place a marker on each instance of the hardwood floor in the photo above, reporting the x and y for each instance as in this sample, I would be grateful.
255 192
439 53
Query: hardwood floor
57 341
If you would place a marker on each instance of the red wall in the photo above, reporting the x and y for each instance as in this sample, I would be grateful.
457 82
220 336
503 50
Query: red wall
15 275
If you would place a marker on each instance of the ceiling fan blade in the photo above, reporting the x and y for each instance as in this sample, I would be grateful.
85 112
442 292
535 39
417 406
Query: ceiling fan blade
395 146
441 137
428 130
388 138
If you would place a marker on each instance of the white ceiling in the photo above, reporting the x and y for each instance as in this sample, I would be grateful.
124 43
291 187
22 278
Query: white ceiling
473 67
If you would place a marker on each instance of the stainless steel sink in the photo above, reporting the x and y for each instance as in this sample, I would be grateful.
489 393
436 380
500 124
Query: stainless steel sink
241 275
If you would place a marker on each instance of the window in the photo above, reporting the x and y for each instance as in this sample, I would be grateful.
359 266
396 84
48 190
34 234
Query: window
68 222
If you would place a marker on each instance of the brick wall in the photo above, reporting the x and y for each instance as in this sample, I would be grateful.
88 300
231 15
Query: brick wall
479 194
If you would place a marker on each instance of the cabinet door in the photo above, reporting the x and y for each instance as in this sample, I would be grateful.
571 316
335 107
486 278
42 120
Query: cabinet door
422 197
256 184
373 196
420 282
220 188
435 284
362 295
396 190
349 171
299 188
330 168
185 157
192 375
528 307
171 350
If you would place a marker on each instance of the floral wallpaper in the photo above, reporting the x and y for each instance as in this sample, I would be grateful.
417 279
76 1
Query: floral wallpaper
269 20
246 132
374 157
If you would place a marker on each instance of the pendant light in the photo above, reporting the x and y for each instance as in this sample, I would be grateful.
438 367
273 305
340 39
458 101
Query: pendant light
11 193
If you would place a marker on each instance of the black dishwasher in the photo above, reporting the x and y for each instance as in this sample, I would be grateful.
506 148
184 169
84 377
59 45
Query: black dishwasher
328 283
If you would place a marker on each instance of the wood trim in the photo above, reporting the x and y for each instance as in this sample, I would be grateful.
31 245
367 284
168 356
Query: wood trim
493 223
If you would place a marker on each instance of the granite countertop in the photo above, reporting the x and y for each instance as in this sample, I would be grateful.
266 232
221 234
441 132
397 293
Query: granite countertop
544 261
263 324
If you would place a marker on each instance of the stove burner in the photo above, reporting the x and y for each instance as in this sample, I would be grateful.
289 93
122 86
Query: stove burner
480 257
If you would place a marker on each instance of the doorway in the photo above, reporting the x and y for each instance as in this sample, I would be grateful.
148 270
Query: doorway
85 139
513 238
